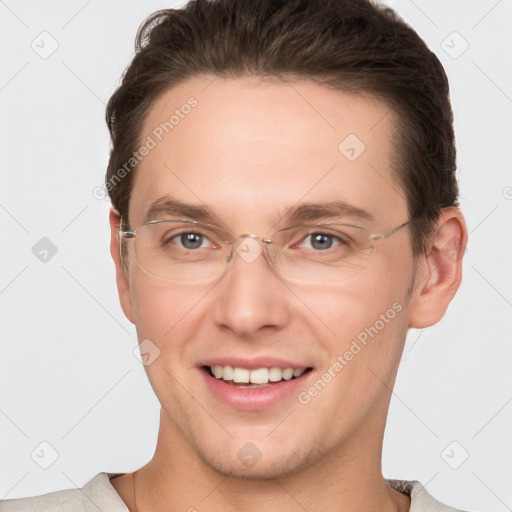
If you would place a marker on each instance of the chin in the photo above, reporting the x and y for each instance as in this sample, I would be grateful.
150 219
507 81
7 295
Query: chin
248 463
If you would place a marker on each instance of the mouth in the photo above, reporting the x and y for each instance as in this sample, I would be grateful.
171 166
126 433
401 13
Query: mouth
255 389
254 378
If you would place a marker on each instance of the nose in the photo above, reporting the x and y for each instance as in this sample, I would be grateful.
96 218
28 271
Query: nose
251 298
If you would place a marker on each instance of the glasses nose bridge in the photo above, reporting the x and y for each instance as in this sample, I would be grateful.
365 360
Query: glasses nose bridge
262 241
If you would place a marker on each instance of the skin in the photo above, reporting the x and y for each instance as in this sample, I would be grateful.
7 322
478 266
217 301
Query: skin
248 150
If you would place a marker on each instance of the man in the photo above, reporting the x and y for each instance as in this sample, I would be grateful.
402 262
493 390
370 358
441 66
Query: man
284 200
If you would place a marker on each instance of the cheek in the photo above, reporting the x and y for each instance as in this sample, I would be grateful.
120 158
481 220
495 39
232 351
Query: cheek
348 308
370 312
368 320
165 312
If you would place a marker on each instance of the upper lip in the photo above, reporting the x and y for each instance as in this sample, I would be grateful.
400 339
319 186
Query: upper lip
253 363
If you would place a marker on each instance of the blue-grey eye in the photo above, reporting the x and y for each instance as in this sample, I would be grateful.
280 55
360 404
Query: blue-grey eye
321 241
191 240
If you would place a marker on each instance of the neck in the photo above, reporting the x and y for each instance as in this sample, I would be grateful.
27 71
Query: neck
349 478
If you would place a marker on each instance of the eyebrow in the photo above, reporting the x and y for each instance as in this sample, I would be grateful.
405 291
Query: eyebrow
169 206
303 212
316 211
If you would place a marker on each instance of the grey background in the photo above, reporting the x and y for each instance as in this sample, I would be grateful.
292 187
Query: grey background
68 375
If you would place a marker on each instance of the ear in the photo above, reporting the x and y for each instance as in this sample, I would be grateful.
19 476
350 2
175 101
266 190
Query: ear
123 285
440 270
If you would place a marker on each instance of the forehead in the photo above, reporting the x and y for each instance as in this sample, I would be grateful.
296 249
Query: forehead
252 148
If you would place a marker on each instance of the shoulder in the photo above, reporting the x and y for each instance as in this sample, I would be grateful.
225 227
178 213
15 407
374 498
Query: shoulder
421 500
95 496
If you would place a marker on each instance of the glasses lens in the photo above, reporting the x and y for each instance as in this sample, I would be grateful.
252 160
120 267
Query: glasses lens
177 250
182 251
323 253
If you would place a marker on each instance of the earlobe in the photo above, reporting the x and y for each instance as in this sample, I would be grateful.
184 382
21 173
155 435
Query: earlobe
441 270
123 285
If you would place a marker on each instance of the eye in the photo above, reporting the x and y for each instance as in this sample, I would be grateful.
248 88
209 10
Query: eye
321 241
191 240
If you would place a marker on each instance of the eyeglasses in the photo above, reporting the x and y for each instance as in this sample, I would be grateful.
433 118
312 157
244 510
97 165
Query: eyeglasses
180 250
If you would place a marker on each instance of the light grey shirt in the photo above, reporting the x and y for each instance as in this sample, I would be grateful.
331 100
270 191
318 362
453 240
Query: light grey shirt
98 495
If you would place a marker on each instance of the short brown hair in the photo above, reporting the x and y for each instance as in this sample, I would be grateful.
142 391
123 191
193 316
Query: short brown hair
348 45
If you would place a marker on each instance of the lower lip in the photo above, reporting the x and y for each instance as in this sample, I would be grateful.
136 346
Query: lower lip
253 399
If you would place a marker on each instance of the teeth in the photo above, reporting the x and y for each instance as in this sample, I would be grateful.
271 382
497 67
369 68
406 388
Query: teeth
241 375
227 372
287 373
258 376
275 374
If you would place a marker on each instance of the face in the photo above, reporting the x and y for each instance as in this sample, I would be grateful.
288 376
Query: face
249 151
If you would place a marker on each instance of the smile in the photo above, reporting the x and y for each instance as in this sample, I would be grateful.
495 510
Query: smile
257 388
258 377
